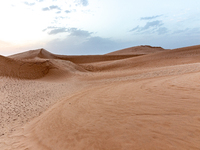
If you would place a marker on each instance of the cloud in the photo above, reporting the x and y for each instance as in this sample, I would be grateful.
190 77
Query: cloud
180 31
80 45
50 27
84 2
39 0
162 30
72 45
29 4
81 2
194 31
149 18
67 11
151 27
148 25
78 32
80 41
45 9
188 31
56 31
58 12
71 31
52 7
134 29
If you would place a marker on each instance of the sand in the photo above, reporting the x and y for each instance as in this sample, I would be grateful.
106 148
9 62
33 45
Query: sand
141 98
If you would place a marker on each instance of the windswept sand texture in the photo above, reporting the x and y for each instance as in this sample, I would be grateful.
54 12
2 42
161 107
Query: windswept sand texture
138 98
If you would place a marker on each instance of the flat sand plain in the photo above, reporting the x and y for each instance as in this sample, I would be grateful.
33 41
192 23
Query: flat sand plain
140 98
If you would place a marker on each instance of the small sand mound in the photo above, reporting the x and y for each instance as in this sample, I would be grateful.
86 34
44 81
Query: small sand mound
24 69
40 53
138 50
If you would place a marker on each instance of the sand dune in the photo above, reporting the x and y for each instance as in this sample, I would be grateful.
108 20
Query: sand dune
165 58
24 69
138 98
43 54
138 50
36 64
39 53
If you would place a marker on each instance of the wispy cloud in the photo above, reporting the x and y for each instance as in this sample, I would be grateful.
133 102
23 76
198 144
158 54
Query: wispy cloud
67 11
50 27
151 27
52 7
162 30
135 29
84 2
29 4
188 31
79 32
58 30
149 18
71 31
85 45
45 9
152 24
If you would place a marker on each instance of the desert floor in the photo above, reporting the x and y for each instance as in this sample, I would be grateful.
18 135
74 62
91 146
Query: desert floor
140 98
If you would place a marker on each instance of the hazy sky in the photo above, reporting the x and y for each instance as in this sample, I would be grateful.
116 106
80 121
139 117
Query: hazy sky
97 26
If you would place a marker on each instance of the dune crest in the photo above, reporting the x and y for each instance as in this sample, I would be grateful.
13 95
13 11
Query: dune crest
32 54
79 59
140 50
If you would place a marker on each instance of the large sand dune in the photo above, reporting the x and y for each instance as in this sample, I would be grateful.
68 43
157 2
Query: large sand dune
141 98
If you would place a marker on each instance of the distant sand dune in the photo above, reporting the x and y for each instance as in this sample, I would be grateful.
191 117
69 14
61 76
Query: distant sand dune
138 98
139 50
165 58
43 54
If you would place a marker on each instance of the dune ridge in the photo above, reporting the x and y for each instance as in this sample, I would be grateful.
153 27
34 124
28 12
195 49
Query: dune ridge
79 59
32 54
139 50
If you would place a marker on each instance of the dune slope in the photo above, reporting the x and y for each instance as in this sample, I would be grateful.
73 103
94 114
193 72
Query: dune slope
24 69
157 115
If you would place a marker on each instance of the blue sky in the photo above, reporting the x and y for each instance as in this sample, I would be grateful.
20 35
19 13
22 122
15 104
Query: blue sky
97 26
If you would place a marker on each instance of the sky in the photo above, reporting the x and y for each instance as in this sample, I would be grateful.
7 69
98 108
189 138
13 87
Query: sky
86 27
